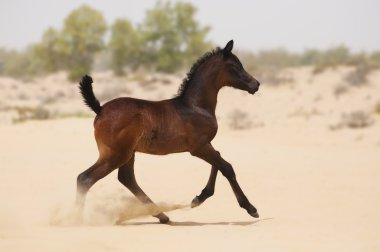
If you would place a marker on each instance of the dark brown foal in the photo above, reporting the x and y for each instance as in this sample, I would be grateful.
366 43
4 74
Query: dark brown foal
186 123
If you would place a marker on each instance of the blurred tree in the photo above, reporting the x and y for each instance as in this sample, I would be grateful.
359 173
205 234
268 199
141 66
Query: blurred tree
124 46
192 35
358 59
50 51
82 37
4 58
336 55
14 63
375 58
278 58
310 57
172 36
331 58
21 64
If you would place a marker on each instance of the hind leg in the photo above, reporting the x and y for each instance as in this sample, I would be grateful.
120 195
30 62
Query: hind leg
126 176
86 180
89 177
109 160
114 150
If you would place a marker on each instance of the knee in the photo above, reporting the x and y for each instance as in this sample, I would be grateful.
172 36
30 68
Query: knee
228 171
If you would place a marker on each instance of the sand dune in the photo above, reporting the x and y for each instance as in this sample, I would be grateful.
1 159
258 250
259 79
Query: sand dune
316 186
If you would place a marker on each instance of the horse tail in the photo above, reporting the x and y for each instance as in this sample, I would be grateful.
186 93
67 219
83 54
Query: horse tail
85 87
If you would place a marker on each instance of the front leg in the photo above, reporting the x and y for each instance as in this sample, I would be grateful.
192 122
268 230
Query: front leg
209 189
212 157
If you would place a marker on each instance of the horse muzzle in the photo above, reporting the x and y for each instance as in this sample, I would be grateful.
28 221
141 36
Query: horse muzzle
253 87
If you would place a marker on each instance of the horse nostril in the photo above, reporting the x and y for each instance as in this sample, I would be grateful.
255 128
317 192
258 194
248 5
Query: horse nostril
258 83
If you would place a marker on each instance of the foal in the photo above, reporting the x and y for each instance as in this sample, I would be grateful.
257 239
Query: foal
186 123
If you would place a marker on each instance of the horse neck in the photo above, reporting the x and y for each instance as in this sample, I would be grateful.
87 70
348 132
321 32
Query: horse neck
202 92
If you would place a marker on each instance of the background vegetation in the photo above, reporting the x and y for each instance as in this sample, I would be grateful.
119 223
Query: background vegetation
169 39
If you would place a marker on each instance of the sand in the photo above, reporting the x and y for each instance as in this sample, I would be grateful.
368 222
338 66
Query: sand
314 180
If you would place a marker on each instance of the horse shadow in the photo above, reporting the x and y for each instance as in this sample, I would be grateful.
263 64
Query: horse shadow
194 223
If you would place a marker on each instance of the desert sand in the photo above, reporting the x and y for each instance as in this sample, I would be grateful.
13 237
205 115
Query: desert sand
300 157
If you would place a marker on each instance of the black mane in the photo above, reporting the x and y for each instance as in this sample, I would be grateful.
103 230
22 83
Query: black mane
187 80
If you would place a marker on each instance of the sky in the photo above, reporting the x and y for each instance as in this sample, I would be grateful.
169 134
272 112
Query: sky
254 25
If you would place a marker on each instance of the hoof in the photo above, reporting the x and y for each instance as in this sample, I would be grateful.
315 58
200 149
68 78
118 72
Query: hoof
163 218
196 202
255 215
253 212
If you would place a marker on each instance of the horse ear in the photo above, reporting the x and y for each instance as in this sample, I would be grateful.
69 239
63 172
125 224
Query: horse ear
228 48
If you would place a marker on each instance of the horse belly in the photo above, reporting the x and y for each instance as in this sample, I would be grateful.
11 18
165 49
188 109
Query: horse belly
161 143
161 146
